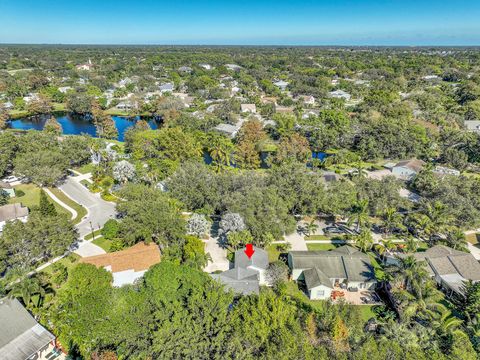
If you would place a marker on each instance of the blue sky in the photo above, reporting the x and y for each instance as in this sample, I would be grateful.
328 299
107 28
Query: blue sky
247 22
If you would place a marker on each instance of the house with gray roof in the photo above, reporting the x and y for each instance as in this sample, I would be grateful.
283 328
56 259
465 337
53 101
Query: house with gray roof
21 337
168 87
12 212
407 169
248 273
324 271
450 268
340 94
282 85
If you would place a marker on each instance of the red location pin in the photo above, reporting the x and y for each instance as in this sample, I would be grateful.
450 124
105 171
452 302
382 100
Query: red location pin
249 250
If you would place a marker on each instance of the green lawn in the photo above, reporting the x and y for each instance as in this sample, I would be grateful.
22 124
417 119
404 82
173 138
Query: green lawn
273 253
32 198
85 169
95 233
81 211
323 247
69 261
103 243
324 237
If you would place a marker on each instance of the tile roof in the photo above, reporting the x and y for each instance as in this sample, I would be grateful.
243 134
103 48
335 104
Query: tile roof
138 258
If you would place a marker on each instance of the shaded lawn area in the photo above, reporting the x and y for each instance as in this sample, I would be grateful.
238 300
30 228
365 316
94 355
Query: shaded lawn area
32 198
81 211
68 261
103 243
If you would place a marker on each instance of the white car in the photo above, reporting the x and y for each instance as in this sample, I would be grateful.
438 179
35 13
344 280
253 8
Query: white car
10 179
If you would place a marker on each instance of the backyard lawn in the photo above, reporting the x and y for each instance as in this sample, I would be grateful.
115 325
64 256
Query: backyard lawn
273 253
32 198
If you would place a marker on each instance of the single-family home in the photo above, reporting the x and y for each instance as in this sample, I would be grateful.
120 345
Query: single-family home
282 85
248 273
431 78
227 129
185 69
12 212
248 108
307 99
340 94
127 265
233 67
21 336
7 188
473 125
206 66
344 269
284 109
407 169
442 171
168 87
87 67
449 267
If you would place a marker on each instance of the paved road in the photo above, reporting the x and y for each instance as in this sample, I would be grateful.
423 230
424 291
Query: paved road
99 211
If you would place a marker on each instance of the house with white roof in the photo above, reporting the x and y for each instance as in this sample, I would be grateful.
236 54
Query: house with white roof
340 94
248 108
282 85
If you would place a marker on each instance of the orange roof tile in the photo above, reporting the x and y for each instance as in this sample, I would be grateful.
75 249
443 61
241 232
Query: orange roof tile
138 258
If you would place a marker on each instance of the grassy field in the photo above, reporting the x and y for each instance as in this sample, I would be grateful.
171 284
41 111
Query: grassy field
69 261
103 243
32 198
324 237
81 211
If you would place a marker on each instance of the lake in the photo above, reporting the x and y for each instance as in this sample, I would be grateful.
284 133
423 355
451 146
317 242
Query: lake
75 125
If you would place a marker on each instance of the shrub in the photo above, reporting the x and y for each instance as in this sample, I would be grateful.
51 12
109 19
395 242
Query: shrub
19 193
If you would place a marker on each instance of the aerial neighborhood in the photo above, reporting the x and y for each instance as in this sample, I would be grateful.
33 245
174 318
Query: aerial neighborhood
164 202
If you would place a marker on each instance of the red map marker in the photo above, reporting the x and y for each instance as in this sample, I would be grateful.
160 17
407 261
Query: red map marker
249 250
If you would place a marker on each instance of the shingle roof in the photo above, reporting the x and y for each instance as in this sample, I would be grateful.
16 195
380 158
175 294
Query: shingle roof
240 280
413 164
443 260
259 259
138 258
20 335
315 277
12 212
345 262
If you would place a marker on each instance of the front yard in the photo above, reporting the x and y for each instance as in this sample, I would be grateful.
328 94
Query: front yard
32 198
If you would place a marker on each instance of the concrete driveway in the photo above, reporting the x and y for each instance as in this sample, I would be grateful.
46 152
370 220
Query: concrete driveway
99 212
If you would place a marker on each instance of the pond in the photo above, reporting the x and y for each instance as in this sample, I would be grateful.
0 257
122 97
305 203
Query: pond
76 125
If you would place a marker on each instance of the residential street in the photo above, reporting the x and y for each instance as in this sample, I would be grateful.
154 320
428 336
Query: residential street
99 211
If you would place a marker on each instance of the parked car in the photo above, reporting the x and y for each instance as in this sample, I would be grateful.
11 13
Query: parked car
10 179
333 230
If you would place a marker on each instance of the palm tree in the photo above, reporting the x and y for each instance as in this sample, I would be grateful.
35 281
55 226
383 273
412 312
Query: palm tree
364 240
220 149
412 273
391 220
443 321
385 246
456 239
359 214
26 289
359 171
311 227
